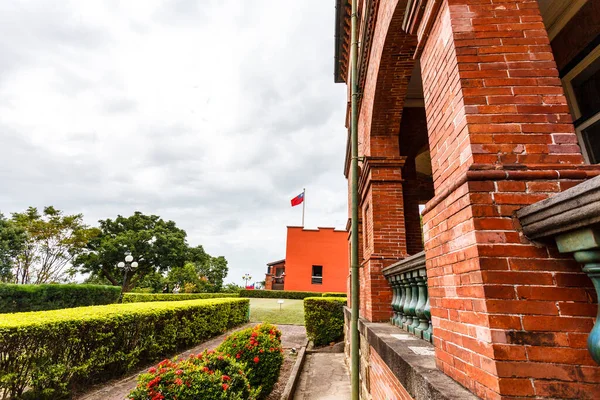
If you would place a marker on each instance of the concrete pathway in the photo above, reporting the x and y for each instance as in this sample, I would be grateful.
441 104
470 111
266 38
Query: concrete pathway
324 377
291 336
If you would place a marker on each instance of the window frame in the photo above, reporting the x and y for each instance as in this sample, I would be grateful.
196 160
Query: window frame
313 276
572 100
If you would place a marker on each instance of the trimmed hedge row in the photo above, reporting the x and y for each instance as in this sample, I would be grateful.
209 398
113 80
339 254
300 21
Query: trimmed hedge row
334 294
52 353
145 297
277 294
324 319
22 298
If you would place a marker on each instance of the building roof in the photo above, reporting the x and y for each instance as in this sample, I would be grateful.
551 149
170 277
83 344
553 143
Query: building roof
276 262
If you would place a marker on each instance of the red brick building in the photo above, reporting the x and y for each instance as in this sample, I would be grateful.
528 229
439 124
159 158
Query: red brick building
472 110
316 260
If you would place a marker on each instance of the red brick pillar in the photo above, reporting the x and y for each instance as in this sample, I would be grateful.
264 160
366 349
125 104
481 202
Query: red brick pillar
510 318
383 232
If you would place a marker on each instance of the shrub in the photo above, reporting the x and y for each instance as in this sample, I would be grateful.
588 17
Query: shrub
334 294
145 297
277 294
53 352
208 375
259 348
324 319
22 298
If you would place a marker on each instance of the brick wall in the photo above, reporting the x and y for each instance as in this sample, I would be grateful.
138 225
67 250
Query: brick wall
510 318
384 385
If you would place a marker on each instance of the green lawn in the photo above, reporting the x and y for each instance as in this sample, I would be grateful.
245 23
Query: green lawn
267 310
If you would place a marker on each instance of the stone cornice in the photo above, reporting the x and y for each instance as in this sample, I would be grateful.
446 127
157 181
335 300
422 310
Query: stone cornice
412 263
570 210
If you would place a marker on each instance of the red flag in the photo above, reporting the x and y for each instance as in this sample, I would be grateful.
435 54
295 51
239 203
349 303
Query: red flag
298 199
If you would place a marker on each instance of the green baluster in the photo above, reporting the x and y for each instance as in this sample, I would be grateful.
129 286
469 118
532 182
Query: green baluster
591 259
418 300
423 298
413 302
428 334
401 298
407 319
392 282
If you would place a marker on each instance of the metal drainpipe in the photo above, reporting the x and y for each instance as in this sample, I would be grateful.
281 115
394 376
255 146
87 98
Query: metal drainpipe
354 338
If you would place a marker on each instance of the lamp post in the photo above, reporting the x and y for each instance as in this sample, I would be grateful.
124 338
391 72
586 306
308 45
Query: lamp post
126 266
246 278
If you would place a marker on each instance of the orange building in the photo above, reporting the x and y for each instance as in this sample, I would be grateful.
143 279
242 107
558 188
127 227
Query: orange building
316 261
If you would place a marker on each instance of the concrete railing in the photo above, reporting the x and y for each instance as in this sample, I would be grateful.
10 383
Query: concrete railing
572 220
410 301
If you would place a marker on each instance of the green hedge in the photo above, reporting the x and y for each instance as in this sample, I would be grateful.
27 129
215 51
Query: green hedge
145 297
22 298
52 353
324 319
334 294
277 294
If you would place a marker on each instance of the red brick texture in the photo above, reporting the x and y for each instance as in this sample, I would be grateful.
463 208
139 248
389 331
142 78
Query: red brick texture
510 318
383 384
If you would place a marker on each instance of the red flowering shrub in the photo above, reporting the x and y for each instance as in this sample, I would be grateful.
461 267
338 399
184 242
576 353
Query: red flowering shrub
259 348
209 375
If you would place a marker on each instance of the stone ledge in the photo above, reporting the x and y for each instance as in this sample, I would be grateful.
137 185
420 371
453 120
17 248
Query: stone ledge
412 361
572 209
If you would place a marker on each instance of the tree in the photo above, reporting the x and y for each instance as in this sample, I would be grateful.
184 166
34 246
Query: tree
12 242
52 241
213 269
157 245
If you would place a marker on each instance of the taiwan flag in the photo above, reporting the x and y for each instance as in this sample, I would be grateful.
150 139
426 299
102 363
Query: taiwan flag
298 199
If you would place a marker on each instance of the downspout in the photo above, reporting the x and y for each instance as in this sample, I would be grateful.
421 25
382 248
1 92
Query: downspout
354 337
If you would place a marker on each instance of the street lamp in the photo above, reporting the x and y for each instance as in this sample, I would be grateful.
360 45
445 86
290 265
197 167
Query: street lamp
126 266
246 278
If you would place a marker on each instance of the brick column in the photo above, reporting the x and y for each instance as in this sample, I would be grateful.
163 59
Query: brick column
510 318
383 232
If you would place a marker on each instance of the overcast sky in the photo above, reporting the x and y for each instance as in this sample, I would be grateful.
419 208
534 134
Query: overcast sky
211 113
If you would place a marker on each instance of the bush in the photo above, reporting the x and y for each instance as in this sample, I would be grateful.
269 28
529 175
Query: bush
208 375
334 294
277 294
145 297
52 353
324 319
22 298
259 348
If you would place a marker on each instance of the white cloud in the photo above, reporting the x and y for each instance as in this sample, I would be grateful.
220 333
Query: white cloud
211 113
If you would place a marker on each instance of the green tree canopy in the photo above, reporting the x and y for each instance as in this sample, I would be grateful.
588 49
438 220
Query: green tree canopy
52 241
12 242
212 269
157 245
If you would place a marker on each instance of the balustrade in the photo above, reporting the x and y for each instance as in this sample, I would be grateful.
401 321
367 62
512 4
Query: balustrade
410 300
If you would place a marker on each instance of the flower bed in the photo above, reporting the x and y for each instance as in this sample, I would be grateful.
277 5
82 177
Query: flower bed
260 349
208 375
245 366
53 352
324 319
23 298
145 297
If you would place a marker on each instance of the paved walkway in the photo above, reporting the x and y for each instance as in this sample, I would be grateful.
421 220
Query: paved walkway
291 336
324 377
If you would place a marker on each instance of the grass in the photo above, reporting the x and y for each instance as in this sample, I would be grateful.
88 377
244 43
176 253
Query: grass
267 310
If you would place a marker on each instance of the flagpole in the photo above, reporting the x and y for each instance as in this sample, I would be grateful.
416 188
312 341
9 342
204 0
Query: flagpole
303 204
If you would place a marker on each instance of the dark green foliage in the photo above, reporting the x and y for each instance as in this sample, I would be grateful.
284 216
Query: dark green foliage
208 375
12 242
277 294
145 297
51 353
324 319
20 298
259 348
156 244
334 294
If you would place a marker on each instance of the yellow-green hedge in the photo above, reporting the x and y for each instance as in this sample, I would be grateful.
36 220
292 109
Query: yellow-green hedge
334 294
145 297
324 319
23 298
51 353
